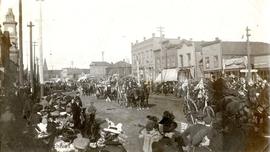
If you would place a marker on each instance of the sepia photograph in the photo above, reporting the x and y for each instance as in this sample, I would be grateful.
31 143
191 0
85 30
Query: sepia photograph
134 76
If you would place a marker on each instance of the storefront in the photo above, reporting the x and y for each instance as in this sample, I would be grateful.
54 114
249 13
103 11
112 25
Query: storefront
167 75
262 64
233 66
186 73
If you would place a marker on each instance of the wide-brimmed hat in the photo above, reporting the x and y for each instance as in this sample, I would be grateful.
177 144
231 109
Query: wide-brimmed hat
167 118
55 113
117 129
63 113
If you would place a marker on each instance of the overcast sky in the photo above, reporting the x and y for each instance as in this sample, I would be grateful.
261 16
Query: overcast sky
79 30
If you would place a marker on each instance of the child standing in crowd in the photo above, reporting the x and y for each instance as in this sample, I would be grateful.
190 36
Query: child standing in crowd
150 134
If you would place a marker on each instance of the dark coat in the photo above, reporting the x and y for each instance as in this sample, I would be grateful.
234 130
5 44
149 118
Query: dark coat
76 111
35 119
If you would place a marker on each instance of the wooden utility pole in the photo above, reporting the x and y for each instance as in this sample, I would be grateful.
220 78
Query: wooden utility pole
34 57
31 57
20 45
138 69
248 55
160 29
35 69
41 77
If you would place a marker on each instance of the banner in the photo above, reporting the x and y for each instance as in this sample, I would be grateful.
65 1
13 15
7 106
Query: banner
235 63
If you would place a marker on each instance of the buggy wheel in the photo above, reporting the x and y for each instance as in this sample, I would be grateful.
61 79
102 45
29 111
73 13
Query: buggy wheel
190 118
193 106
185 109
208 110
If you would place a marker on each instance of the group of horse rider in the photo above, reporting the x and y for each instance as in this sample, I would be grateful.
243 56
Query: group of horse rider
128 94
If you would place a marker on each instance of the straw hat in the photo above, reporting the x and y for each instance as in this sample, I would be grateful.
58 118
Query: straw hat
117 129
55 113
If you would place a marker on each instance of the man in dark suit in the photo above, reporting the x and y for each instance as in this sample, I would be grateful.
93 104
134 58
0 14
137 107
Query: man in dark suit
76 111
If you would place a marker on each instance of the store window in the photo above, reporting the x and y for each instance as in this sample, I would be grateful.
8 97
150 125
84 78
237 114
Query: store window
181 60
207 63
189 59
216 61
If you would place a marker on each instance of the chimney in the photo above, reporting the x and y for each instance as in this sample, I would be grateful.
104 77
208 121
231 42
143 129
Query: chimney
163 35
137 41
217 39
144 38
132 44
178 37
153 34
190 39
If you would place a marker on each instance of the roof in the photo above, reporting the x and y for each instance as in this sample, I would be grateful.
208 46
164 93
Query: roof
54 71
210 43
171 43
240 48
121 64
100 63
76 70
197 44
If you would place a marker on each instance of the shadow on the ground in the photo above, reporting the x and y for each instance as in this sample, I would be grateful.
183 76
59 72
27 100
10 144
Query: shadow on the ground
151 105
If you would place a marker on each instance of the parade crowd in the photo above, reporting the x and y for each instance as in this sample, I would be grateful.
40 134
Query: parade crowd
214 108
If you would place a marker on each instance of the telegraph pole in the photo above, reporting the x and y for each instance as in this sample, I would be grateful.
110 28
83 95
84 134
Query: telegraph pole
31 58
20 45
138 70
160 29
34 57
41 78
248 55
102 56
35 69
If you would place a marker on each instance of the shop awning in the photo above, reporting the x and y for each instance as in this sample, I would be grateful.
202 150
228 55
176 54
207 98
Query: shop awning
167 75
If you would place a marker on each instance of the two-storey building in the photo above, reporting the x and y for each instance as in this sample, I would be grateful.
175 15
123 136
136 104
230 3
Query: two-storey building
189 60
143 57
230 57
98 68
166 61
